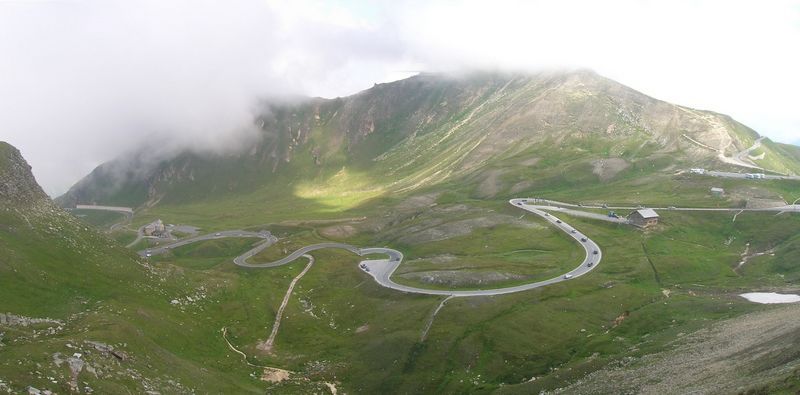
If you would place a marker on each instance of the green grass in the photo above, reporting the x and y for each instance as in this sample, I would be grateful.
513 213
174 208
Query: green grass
503 339
98 218
340 326
781 158
123 236
206 254
532 254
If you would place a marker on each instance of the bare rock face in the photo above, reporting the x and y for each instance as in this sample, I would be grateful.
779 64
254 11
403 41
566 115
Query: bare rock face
17 184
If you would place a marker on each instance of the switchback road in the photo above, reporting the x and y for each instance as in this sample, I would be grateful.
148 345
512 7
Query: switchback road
381 270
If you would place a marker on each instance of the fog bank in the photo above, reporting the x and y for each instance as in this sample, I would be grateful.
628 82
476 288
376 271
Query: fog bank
84 81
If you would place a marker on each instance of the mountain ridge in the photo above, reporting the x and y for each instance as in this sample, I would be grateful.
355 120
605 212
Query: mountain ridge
429 129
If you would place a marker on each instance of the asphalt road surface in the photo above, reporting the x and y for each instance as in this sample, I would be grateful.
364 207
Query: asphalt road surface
211 236
382 269
546 204
728 174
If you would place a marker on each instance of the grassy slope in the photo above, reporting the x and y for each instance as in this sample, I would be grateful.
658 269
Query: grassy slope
56 267
100 219
475 345
782 158
505 339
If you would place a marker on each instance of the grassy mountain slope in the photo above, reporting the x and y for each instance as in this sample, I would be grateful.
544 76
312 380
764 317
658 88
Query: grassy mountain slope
424 165
427 130
81 313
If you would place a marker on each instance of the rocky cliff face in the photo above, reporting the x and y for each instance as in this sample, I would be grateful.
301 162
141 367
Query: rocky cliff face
17 184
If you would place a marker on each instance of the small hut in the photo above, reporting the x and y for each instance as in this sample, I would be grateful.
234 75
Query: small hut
643 218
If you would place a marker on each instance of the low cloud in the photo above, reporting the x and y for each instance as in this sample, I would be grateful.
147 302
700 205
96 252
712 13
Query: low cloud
84 81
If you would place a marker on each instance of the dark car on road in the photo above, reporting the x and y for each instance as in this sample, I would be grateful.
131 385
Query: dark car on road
583 239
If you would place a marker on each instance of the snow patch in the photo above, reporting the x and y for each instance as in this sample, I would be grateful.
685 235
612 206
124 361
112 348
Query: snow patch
771 297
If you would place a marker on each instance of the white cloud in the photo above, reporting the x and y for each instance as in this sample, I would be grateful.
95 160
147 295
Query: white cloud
82 81
735 57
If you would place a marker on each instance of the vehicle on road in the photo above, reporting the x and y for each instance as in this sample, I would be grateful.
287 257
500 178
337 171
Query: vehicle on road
595 252
583 239
671 208
394 256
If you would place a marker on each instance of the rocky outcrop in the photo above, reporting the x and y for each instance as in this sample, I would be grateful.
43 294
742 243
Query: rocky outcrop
8 319
17 184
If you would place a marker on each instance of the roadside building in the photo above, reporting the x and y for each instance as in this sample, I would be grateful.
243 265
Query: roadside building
717 191
155 228
643 218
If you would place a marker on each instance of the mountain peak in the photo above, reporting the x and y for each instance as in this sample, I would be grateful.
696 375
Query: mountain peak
434 128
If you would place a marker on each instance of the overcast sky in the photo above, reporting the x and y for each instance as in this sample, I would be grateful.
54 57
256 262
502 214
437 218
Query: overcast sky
82 81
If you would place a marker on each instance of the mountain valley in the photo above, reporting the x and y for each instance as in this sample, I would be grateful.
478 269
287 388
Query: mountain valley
480 181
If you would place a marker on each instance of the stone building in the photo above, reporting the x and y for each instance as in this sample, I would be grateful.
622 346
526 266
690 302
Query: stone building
155 228
643 218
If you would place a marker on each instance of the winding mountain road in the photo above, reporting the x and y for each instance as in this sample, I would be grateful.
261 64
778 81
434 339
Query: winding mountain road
381 270
554 205
268 237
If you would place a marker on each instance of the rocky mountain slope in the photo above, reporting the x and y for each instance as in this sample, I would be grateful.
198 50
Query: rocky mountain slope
80 313
17 185
755 353
432 129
